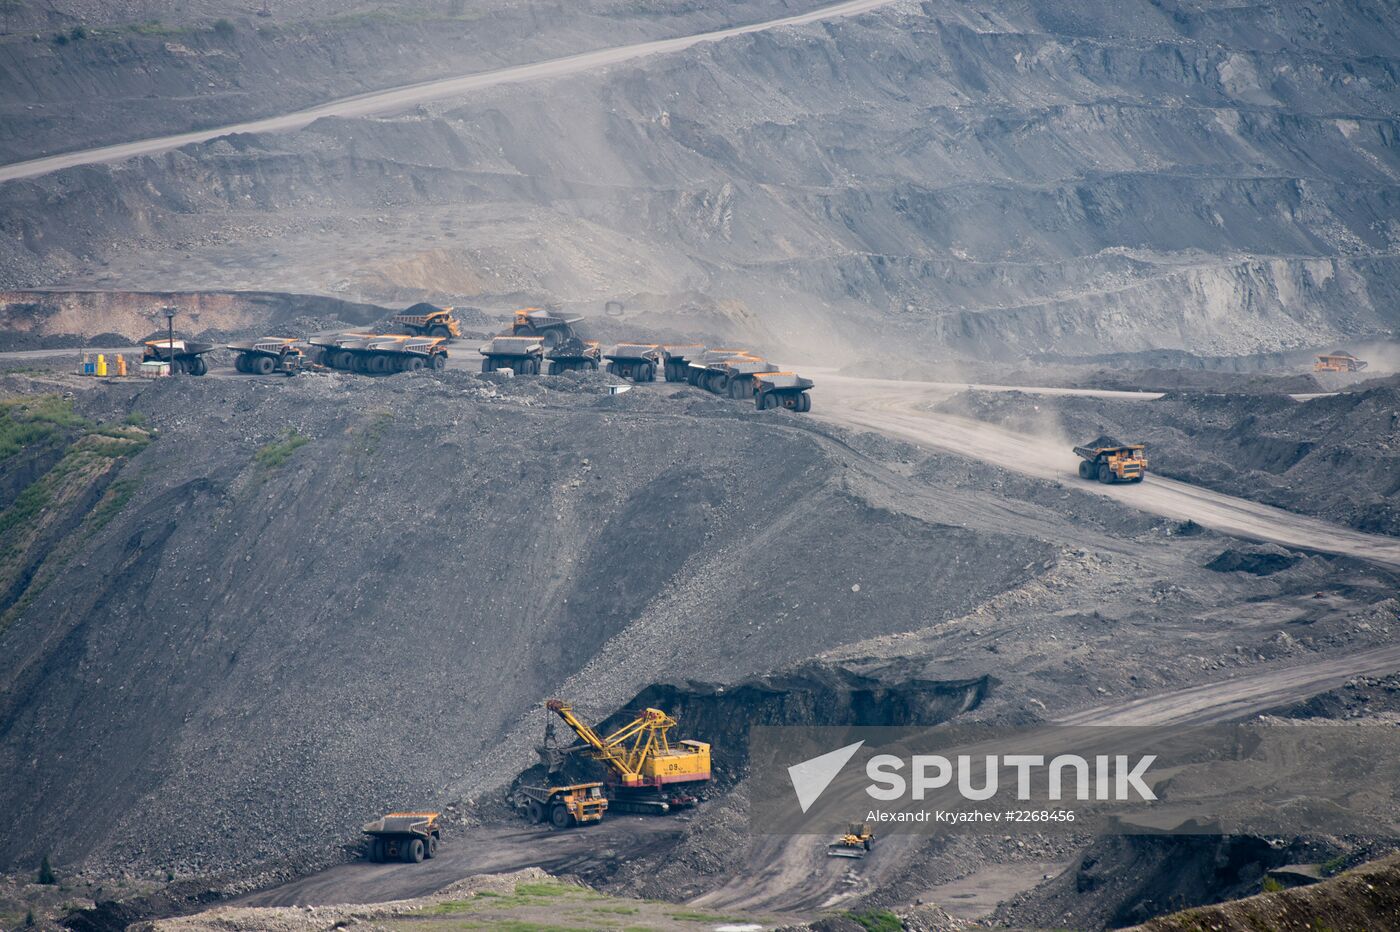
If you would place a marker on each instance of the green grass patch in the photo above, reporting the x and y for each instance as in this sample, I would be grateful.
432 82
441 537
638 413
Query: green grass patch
545 888
33 419
135 419
1334 866
877 920
1270 885
690 916
273 455
616 910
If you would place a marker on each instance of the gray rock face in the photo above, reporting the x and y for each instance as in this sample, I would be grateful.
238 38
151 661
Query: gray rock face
1002 181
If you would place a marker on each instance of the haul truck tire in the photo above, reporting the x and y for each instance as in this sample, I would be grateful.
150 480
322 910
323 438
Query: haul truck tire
430 847
559 816
536 811
413 851
263 365
438 330
1105 474
440 361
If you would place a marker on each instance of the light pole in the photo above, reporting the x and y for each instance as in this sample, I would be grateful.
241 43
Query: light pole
170 335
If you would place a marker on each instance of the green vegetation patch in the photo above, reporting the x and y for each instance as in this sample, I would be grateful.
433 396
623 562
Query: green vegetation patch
877 920
273 455
33 419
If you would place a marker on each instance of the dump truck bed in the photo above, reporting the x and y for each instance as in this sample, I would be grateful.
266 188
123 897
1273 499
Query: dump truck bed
161 349
1092 453
783 380
511 346
403 823
273 345
633 351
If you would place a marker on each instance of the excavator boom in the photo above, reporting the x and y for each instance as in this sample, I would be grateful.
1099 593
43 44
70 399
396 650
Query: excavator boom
639 753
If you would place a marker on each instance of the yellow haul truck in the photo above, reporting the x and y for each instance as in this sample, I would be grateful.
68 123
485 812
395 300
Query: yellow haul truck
403 836
562 806
428 320
267 355
1108 460
1338 361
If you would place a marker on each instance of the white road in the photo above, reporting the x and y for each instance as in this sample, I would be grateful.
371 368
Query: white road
902 410
400 98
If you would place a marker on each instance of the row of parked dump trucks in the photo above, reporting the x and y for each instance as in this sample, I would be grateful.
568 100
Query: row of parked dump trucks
539 341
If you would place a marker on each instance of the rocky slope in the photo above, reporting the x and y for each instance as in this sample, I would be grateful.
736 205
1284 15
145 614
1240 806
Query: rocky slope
323 596
78 73
998 180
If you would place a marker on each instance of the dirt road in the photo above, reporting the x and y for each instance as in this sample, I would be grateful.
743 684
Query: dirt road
486 849
400 98
904 410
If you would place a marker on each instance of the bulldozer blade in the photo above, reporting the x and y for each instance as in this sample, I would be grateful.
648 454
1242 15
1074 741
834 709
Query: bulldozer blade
841 851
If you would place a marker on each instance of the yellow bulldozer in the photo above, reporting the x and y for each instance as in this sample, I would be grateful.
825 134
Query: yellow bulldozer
855 842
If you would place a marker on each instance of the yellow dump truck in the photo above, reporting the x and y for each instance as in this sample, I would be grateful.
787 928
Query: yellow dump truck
267 355
381 353
428 320
562 806
403 836
1108 460
781 390
1338 361
184 356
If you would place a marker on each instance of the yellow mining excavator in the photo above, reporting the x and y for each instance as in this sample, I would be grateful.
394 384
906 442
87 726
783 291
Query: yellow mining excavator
645 772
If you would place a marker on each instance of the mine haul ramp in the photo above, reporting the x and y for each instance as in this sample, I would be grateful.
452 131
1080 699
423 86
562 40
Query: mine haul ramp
267 355
1109 461
521 355
562 806
381 353
185 356
403 836
428 320
635 361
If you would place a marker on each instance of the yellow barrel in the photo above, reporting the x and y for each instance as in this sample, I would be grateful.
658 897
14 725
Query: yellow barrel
101 363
